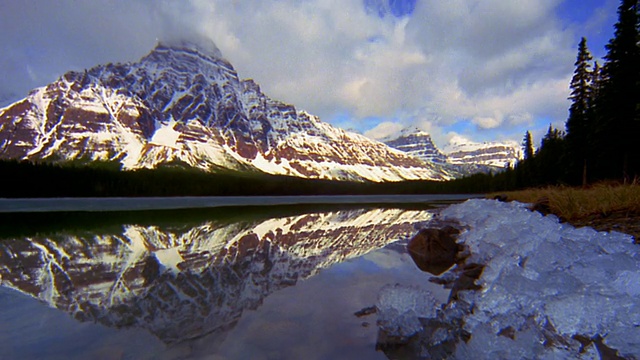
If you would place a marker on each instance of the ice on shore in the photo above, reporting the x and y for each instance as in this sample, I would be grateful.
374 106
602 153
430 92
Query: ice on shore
400 307
545 286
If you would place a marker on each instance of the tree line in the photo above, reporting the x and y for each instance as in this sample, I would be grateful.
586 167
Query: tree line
24 179
602 136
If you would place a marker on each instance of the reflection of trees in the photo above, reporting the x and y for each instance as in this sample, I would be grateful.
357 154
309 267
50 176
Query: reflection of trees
182 285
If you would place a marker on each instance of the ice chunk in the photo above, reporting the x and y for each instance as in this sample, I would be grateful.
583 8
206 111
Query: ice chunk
543 283
400 308
628 282
584 314
624 339
485 343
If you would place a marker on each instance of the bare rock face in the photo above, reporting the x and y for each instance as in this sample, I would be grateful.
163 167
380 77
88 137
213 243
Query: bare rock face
182 103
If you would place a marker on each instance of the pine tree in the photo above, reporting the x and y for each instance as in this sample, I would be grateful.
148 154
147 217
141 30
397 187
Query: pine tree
618 102
527 145
596 83
549 158
579 122
593 141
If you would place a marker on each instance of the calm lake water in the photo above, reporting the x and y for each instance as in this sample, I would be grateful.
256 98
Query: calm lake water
202 280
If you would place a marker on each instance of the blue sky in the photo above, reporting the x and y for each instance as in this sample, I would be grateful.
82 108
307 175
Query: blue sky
481 69
591 18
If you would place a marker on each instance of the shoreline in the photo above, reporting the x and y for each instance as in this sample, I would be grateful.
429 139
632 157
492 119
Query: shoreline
603 207
621 221
27 205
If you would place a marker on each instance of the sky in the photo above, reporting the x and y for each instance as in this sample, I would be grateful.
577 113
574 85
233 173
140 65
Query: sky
481 70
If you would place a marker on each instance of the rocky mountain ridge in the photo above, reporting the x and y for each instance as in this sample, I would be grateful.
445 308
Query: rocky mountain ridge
461 157
185 104
492 153
417 143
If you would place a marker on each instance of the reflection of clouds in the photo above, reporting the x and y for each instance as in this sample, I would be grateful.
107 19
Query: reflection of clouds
388 259
29 330
315 319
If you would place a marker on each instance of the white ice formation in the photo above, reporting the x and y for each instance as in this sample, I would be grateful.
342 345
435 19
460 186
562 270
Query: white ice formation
549 290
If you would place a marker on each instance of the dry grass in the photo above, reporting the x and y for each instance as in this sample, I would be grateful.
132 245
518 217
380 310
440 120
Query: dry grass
571 204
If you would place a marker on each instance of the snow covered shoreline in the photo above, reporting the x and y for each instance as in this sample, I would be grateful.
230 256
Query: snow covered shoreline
548 290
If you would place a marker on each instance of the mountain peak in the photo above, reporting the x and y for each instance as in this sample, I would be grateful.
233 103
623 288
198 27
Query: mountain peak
404 133
417 143
199 44
413 130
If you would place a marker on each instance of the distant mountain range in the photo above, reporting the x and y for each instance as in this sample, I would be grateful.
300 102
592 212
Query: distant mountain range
498 154
461 157
184 105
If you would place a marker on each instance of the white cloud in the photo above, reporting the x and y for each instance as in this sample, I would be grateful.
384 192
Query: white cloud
384 130
487 122
493 62
454 139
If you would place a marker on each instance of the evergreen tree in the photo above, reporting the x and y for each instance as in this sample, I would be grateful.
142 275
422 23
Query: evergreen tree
618 102
525 169
579 122
549 159
596 83
527 145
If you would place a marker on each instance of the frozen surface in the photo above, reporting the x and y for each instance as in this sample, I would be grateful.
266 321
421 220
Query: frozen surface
544 285
400 307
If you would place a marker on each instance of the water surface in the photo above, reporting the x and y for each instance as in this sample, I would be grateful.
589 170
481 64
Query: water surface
156 203
275 282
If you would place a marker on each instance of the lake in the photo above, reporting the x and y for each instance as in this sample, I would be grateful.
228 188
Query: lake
221 278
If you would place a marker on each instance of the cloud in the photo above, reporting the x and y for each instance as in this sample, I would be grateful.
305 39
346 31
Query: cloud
496 63
487 122
384 130
41 40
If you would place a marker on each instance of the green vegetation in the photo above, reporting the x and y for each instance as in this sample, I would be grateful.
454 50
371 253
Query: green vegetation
603 127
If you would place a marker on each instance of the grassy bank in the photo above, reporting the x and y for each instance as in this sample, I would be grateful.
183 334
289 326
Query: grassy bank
602 206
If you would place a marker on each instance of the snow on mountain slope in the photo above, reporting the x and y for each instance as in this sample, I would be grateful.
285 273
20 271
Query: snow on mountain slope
498 154
417 143
184 103
184 284
465 158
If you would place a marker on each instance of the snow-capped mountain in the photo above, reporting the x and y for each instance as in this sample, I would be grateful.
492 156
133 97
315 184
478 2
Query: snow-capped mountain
184 103
462 158
498 154
417 143
182 283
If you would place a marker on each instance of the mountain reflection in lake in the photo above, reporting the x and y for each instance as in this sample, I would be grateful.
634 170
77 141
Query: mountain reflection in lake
218 286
